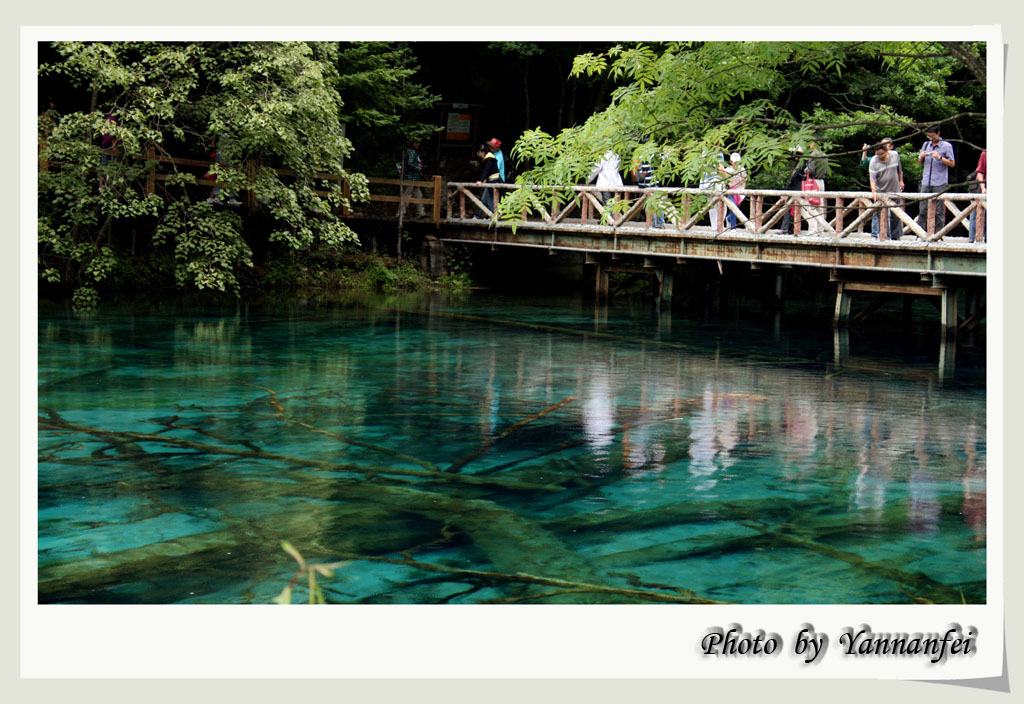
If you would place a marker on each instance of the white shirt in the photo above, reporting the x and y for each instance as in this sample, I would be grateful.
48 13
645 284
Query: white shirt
607 170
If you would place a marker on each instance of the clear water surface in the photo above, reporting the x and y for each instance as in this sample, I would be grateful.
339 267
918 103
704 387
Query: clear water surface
497 450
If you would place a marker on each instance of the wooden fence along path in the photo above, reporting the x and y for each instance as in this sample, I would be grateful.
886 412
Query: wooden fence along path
434 187
835 214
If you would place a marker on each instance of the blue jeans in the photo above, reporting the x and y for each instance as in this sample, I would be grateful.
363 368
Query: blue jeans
488 200
895 226
730 217
971 228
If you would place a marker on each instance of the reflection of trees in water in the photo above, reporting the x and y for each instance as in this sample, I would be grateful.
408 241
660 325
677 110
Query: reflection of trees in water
496 451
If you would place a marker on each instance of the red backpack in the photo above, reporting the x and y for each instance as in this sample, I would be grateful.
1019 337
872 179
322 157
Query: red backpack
810 184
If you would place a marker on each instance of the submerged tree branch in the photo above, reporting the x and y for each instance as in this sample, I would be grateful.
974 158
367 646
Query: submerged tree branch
490 442
523 578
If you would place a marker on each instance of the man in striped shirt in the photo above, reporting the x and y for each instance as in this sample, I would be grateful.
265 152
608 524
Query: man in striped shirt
644 176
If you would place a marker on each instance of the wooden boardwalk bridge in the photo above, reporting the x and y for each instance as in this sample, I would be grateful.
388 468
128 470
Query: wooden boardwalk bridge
613 229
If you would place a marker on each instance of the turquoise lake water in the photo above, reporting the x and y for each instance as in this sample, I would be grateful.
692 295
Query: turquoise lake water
609 456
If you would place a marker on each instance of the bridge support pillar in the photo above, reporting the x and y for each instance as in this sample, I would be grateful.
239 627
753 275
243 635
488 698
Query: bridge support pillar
840 346
665 288
947 357
601 283
433 257
843 301
948 314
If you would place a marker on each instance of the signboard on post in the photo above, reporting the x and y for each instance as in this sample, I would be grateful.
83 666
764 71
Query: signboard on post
458 127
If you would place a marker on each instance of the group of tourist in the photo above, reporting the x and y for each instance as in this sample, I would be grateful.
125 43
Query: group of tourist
936 158
493 171
885 175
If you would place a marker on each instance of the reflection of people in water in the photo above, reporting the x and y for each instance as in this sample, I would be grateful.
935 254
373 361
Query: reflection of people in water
974 507
490 402
713 435
874 462
925 508
800 422
641 448
599 410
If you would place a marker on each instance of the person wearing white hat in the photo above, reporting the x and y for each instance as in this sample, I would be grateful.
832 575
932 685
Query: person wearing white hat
712 180
737 175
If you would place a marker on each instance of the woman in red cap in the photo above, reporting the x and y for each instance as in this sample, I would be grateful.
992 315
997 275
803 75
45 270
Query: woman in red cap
495 146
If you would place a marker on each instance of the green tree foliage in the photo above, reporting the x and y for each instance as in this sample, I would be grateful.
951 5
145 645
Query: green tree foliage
680 105
384 105
260 105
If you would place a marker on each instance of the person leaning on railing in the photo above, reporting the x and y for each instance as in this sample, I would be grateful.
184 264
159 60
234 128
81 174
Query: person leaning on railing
886 176
865 160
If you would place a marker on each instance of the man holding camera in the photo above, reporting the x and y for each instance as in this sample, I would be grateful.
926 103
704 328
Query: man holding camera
936 159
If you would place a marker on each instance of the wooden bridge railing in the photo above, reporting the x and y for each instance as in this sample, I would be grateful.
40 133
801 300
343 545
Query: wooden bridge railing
433 187
834 214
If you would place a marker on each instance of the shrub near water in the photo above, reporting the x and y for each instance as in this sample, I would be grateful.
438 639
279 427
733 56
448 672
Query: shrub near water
358 272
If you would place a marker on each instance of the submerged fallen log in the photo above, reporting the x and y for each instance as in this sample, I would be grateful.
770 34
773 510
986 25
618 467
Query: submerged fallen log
510 541
924 588
685 549
628 518
565 586
131 440
275 403
490 442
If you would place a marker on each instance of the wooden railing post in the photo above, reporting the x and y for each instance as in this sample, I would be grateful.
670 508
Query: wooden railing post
883 225
346 193
797 217
250 174
930 229
840 215
436 215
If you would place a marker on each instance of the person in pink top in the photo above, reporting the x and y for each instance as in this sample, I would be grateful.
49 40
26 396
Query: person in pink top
981 176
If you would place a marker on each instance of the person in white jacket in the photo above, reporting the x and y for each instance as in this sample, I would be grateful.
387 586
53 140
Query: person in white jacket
607 173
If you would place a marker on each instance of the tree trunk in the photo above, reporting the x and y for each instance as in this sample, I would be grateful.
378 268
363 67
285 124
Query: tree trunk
561 94
526 95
